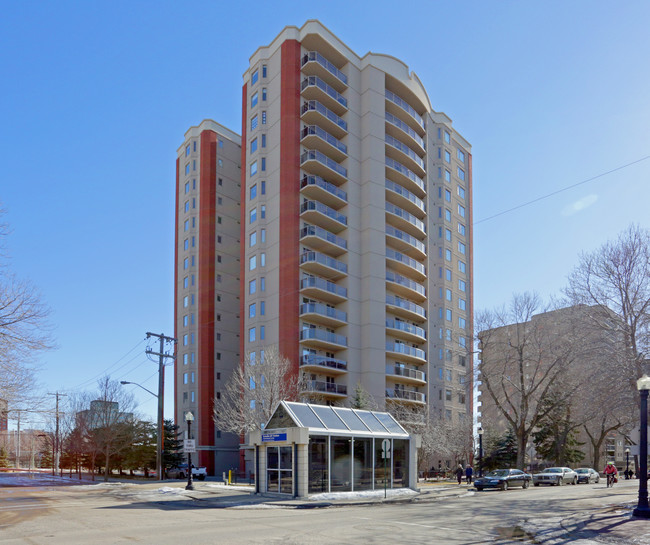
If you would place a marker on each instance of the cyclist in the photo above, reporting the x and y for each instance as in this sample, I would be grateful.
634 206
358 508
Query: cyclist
611 473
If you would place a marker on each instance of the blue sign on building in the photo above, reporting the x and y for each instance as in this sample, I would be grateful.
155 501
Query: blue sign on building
266 437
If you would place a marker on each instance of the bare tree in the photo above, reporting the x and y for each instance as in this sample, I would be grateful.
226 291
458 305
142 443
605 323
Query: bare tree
616 278
24 329
523 355
254 390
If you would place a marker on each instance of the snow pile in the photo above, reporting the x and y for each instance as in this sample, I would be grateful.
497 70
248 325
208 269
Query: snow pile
365 494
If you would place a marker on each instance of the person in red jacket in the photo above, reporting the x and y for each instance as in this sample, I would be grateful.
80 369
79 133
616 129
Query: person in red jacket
611 473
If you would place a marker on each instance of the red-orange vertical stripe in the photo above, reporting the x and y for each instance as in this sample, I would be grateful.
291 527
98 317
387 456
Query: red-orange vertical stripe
289 201
206 298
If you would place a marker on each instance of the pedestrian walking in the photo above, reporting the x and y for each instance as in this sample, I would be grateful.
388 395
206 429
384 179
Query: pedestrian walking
468 474
459 474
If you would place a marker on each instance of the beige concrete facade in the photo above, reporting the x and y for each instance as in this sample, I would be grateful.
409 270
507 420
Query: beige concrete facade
366 256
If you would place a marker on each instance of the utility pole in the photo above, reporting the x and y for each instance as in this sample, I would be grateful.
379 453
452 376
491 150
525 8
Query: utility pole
161 390
56 433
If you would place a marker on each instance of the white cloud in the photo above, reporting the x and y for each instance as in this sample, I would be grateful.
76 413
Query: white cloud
579 205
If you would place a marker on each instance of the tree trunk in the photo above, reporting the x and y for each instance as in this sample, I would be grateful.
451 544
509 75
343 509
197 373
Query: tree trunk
522 440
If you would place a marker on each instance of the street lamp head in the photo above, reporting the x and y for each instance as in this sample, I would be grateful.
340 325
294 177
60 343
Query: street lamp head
479 431
627 451
643 383
124 382
189 417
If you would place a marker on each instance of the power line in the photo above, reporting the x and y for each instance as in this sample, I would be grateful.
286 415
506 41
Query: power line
561 190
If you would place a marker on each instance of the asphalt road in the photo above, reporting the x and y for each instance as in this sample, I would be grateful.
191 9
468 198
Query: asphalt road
119 514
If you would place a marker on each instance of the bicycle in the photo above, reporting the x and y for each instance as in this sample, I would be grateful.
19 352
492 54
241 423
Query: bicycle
611 479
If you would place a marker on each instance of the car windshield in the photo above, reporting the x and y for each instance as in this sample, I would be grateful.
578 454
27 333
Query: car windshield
582 471
553 470
498 473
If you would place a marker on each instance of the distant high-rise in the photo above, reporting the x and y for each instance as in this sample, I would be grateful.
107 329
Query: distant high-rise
355 243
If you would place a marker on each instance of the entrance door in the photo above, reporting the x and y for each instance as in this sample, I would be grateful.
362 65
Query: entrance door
279 469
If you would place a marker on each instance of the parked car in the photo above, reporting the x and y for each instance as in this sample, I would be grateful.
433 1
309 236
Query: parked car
180 472
503 479
587 475
556 476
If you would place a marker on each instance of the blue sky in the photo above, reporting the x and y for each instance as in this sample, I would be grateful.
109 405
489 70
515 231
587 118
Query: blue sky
96 98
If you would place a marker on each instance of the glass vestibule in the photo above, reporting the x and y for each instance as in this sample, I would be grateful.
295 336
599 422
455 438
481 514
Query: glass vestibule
355 463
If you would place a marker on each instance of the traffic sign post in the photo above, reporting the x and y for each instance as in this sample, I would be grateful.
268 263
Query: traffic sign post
189 445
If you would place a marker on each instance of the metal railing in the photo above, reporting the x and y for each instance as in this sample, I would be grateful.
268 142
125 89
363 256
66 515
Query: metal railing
399 167
322 335
315 56
406 327
324 135
327 186
315 231
315 81
324 361
327 387
410 395
396 188
406 305
396 256
323 209
394 142
322 259
325 285
399 212
406 372
406 282
390 230
324 310
405 106
393 120
406 349
314 105
315 155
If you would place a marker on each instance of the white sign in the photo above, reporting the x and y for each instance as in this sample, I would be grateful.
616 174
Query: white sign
385 448
189 445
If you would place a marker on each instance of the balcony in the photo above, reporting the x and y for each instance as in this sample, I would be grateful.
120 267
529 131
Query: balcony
323 364
327 388
316 162
314 88
397 128
313 63
320 338
314 137
314 113
405 221
405 286
406 330
406 243
399 107
313 286
406 309
322 314
314 187
406 352
401 152
403 374
322 214
406 264
403 198
321 239
323 265
405 395
397 172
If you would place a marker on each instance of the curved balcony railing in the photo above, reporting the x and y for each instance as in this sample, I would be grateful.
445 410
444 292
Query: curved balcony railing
399 167
327 186
327 387
406 349
317 257
317 57
323 209
322 335
315 231
322 133
409 395
406 305
405 372
397 211
406 282
324 310
393 120
329 114
396 188
406 327
315 155
390 230
324 361
322 284
328 89
396 256
405 106
391 141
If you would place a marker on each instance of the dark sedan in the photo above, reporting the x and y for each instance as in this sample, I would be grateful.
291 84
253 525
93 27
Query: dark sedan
587 475
503 479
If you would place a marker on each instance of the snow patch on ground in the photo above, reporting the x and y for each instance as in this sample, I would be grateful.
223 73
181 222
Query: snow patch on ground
391 493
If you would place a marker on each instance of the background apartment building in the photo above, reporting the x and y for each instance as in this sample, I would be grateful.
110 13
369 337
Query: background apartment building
206 298
355 242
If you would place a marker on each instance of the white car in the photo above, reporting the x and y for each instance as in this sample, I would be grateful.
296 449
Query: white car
556 476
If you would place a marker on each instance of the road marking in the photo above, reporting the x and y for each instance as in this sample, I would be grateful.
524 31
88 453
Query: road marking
433 526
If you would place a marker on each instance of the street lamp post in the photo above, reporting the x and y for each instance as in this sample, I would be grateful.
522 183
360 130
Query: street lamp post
159 441
189 417
480 451
643 510
627 463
